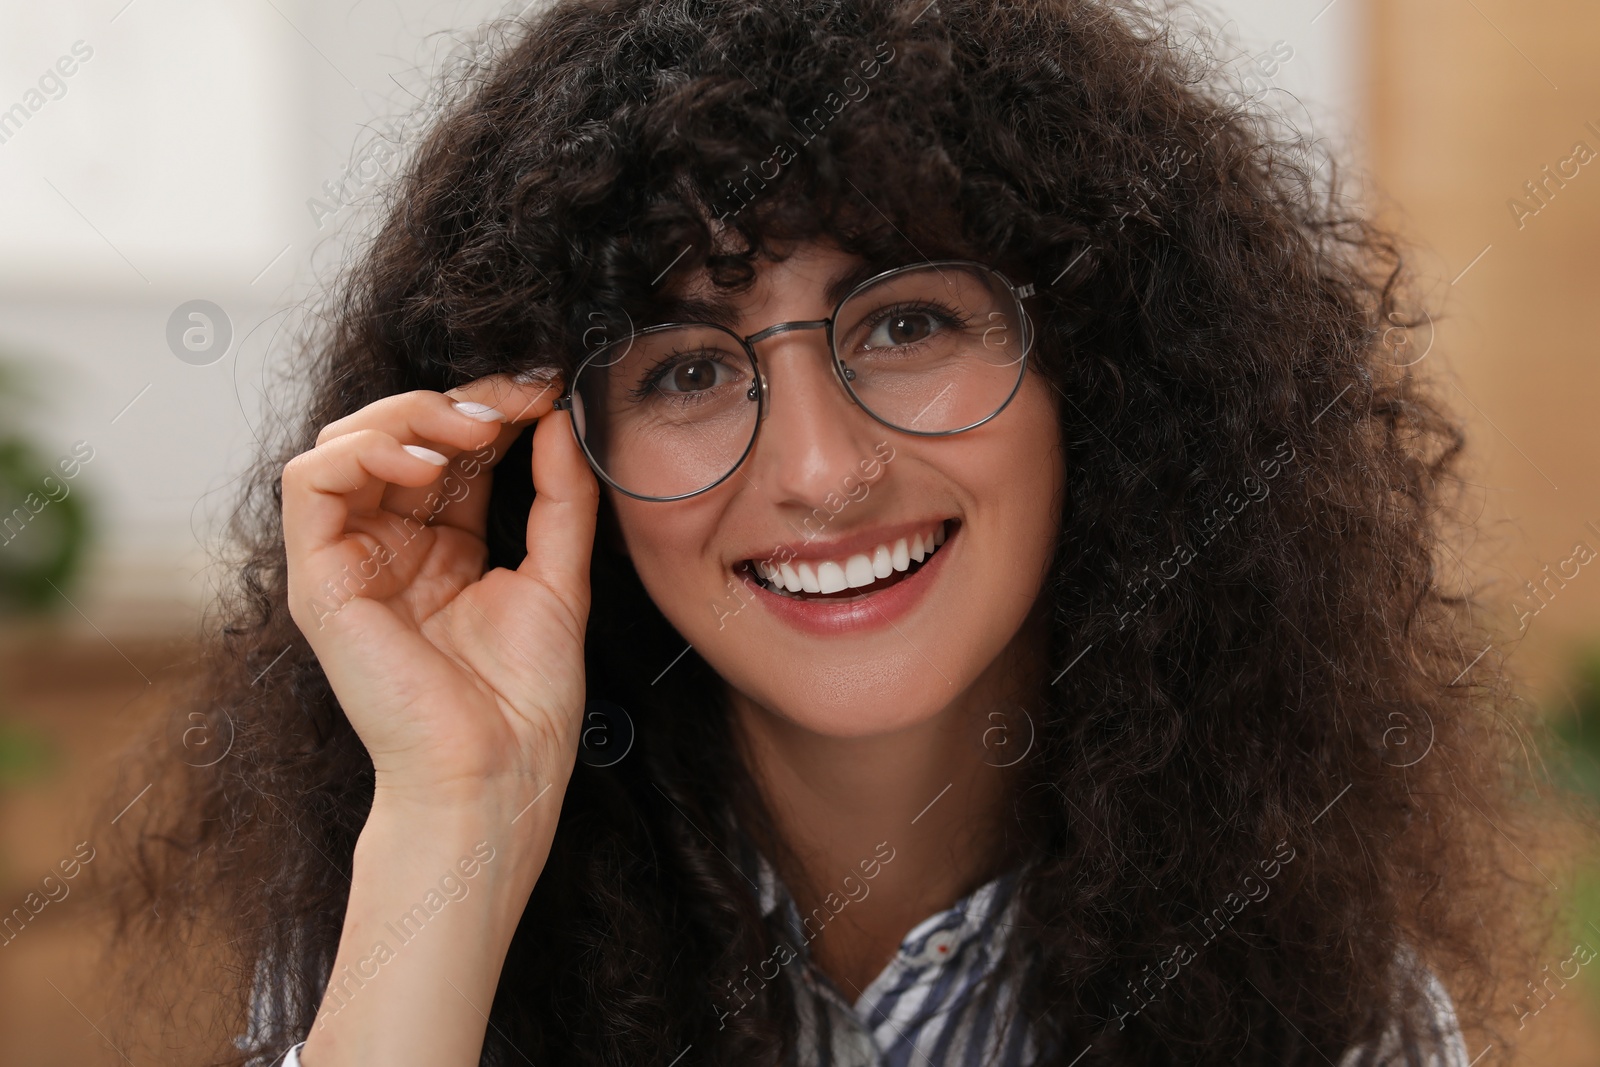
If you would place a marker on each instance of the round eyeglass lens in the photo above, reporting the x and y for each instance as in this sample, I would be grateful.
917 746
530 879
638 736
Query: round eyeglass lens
668 412
934 348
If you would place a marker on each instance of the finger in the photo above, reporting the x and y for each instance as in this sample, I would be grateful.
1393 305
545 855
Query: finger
426 418
460 498
521 398
467 483
322 487
469 425
561 522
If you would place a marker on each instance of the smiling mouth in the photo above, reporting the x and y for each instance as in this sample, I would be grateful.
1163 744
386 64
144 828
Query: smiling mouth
858 575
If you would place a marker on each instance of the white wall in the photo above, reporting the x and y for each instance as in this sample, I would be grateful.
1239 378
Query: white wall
176 163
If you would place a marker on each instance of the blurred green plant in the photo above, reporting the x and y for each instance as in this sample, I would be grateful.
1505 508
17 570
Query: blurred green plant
1576 765
26 754
44 538
44 531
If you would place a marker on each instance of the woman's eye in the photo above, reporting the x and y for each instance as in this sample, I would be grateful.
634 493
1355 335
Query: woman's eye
691 376
901 328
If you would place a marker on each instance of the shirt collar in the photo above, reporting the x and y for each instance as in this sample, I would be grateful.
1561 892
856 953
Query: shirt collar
987 911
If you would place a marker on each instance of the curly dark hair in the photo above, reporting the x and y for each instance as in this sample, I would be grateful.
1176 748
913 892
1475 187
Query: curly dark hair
1255 663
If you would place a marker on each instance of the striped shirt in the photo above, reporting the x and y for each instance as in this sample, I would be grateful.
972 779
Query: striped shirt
939 1002
936 1003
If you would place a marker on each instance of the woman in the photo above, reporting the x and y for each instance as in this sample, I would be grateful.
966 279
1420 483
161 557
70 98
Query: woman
849 532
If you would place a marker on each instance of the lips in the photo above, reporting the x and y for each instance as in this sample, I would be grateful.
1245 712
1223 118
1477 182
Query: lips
869 570
864 610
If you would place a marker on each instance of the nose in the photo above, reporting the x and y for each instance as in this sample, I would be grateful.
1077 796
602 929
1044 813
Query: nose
813 436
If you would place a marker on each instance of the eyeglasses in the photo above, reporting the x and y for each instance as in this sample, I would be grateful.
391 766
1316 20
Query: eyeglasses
672 410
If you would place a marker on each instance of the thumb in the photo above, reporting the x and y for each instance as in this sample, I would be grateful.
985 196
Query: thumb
561 522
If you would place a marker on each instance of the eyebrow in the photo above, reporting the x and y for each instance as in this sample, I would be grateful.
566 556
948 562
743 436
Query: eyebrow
720 311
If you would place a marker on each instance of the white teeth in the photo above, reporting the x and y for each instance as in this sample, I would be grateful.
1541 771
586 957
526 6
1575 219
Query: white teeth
808 579
857 571
830 577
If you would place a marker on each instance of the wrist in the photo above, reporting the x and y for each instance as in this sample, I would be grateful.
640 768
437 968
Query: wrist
509 836
435 890
487 802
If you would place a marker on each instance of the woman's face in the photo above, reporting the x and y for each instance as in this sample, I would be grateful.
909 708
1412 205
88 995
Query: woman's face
824 481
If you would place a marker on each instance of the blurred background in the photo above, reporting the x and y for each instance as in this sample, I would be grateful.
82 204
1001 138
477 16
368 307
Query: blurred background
176 178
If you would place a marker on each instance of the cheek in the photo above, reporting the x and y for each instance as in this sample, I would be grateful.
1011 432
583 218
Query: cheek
1024 472
1045 419
1027 483
667 546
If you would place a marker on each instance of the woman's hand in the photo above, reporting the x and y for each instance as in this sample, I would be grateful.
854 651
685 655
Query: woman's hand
460 684
466 688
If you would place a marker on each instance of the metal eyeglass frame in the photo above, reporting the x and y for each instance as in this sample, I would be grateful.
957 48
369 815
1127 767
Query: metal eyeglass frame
841 372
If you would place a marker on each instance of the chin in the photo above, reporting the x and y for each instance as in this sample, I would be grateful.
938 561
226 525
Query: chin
851 699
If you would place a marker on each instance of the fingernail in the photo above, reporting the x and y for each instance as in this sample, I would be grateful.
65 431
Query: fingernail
426 453
536 376
481 412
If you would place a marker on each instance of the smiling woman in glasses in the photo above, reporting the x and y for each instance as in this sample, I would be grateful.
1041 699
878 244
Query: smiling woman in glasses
942 596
